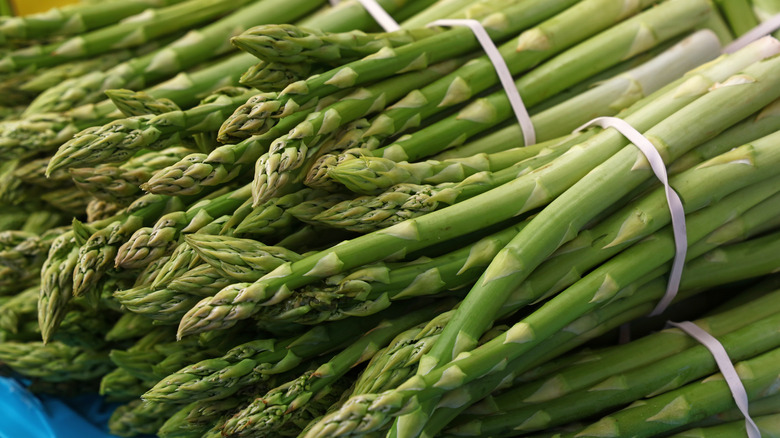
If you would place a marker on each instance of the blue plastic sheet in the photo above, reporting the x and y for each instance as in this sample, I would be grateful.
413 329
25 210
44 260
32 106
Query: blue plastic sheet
23 414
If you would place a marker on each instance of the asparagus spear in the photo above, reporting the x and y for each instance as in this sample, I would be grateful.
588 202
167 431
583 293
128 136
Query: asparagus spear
122 184
286 43
662 376
688 403
768 425
75 19
572 65
54 362
254 362
148 244
419 232
416 56
371 173
368 412
124 137
242 259
133 31
139 417
276 76
137 103
269 413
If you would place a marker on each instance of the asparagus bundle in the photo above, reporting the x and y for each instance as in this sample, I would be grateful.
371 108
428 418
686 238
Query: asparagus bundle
206 281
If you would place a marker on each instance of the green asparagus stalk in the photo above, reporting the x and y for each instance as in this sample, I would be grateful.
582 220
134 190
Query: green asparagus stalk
202 281
370 174
502 277
137 103
574 65
16 307
131 32
56 286
269 413
414 234
148 244
370 410
768 425
124 137
276 76
54 362
667 374
286 43
242 259
34 172
272 219
139 418
75 19
416 56
122 184
253 363
688 403
738 14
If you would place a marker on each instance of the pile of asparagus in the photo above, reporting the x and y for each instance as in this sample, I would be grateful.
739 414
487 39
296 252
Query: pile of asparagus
272 218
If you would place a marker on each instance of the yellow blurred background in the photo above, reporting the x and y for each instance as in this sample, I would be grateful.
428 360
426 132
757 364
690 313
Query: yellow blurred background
24 7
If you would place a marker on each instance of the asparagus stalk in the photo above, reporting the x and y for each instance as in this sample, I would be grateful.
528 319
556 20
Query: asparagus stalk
616 170
137 103
276 76
286 43
564 70
147 244
445 45
367 412
739 15
124 137
75 19
254 362
688 403
425 230
667 374
122 184
139 418
768 425
131 32
54 362
269 413
241 259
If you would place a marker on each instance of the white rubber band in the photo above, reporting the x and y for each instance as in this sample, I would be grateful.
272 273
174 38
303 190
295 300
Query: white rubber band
672 199
523 118
757 32
726 368
378 13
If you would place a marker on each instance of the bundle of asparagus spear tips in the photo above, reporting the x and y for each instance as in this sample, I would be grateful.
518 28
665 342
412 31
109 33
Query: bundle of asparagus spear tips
265 218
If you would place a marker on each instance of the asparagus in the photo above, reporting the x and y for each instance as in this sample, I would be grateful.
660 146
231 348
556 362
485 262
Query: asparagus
202 281
276 76
667 374
768 425
272 219
286 43
253 363
54 362
148 244
133 31
45 131
372 173
269 413
16 307
739 15
129 326
124 137
122 184
34 172
367 412
75 19
688 403
139 418
413 234
572 65
241 259
571 202
137 103
120 386
415 56
56 286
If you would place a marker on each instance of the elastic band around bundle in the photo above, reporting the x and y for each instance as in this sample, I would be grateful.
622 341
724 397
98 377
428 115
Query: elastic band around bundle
757 32
726 368
672 199
377 13
504 75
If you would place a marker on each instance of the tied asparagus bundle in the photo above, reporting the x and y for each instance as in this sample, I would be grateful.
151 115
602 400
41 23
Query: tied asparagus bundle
274 219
